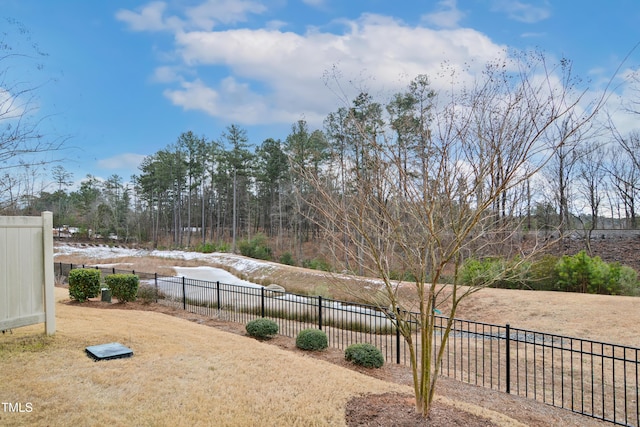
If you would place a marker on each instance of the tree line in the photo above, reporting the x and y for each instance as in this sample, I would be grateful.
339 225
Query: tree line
202 191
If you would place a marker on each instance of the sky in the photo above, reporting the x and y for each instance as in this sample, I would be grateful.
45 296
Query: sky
122 80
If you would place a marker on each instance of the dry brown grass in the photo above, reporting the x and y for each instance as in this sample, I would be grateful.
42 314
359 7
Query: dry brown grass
182 373
612 319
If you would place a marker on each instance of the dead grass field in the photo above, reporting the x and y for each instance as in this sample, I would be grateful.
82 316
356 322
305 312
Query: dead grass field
182 374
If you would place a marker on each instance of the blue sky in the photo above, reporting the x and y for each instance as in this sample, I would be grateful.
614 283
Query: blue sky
125 78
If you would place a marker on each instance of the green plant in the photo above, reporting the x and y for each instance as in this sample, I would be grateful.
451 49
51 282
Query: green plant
287 259
262 328
206 248
223 247
495 272
317 264
542 273
405 276
312 339
124 287
364 354
84 283
581 273
628 281
256 247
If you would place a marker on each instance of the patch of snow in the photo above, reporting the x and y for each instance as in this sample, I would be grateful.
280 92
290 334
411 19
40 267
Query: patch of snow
211 274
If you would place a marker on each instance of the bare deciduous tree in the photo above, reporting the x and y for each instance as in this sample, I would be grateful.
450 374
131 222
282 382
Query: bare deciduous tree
21 142
420 211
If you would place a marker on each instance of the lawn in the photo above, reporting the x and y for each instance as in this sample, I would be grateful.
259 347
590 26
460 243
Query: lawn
182 373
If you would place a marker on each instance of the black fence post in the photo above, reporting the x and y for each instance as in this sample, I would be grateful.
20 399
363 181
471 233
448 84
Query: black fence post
155 281
508 364
398 336
184 294
262 301
398 340
320 312
218 293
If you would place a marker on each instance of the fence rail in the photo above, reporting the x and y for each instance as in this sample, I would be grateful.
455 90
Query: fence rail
592 378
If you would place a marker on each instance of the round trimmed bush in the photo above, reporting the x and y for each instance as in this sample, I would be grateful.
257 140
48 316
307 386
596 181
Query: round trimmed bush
312 339
262 328
124 287
364 354
84 283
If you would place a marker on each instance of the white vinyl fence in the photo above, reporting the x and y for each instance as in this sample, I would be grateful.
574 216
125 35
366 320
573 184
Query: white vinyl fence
26 272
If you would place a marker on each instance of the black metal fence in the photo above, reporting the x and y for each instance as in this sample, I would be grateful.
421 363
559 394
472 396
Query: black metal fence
592 378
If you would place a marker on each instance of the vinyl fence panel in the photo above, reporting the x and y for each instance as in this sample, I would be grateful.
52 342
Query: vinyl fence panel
26 272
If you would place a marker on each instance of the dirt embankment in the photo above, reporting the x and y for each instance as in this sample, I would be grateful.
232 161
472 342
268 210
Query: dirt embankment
611 247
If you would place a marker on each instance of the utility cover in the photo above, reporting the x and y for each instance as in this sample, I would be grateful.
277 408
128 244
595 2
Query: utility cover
113 350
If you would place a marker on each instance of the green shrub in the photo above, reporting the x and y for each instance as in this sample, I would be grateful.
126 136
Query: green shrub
405 276
262 328
206 248
256 247
84 283
317 264
312 339
628 281
223 247
581 273
494 272
287 259
364 354
542 273
124 287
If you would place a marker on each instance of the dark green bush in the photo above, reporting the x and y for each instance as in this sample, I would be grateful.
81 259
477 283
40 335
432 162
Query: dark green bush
124 287
312 339
262 328
256 247
494 272
582 273
287 259
364 354
206 248
542 274
84 283
317 264
406 276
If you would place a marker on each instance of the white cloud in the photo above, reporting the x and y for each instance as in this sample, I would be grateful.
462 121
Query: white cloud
268 75
150 17
10 107
212 12
121 161
522 11
205 16
447 16
167 74
290 66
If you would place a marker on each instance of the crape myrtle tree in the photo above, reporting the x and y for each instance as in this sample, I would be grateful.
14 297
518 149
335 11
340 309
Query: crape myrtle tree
441 182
